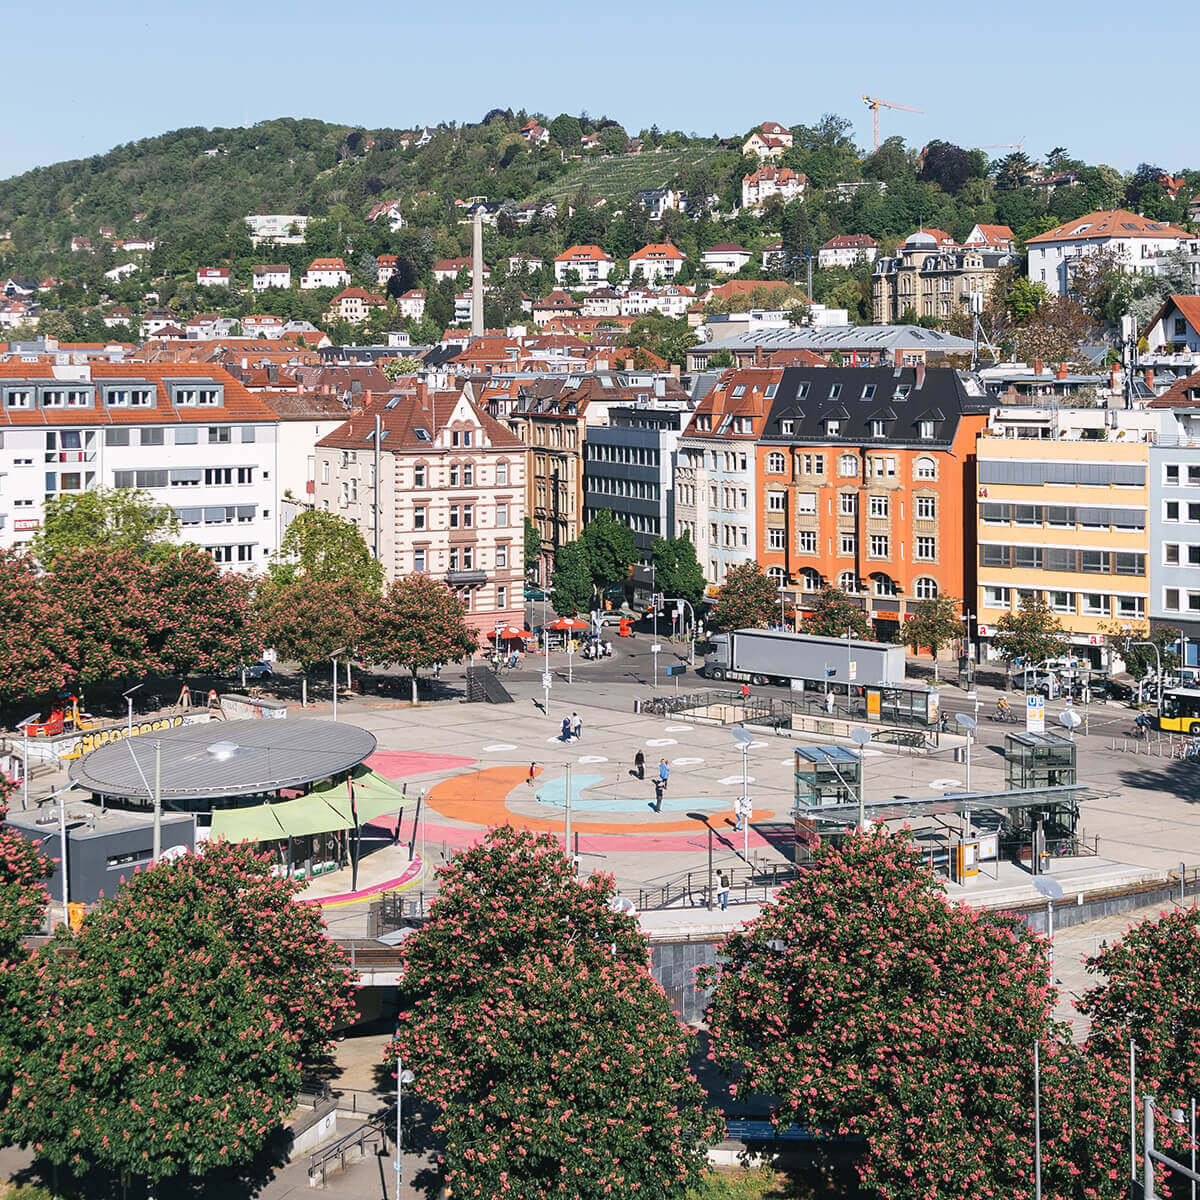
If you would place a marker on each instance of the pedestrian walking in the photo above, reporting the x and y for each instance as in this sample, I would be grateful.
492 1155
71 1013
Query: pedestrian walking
532 773
745 691
639 764
723 890
566 729
664 773
577 726
659 788
829 702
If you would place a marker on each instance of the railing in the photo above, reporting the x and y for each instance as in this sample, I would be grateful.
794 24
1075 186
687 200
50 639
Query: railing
372 1132
747 885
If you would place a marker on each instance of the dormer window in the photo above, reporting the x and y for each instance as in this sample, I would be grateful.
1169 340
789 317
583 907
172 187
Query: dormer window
129 397
66 397
787 428
198 396
833 428
925 429
740 390
18 398
772 388
868 392
878 427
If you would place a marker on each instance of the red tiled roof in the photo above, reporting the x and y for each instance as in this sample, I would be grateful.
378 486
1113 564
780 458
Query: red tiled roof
1119 222
726 248
847 241
583 254
994 235
778 174
658 252
357 293
327 264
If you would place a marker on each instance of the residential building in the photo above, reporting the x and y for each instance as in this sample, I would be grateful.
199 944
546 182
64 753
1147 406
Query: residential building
657 201
1175 328
931 281
557 304
262 325
411 305
535 134
1065 517
629 469
450 268
285 229
386 266
187 433
448 500
603 302
770 181
119 316
304 419
525 264
658 260
354 304
116 274
325 272
715 474
271 275
862 473
774 257
847 249
157 320
213 277
81 244
590 264
991 237
728 258
1174 539
672 301
769 140
1135 240
138 243
390 211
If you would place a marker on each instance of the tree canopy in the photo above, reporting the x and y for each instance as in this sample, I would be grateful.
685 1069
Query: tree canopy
116 519
677 571
323 547
747 599
832 613
1030 635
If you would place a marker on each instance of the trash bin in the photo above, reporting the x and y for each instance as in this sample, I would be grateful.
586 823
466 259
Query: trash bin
637 706
960 754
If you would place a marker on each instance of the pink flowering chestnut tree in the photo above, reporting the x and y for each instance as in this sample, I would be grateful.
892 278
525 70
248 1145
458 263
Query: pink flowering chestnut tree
530 1019
171 1031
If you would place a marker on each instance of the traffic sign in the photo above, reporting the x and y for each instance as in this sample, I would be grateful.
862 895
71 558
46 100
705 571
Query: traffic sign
677 669
546 681
656 648
1035 713
853 670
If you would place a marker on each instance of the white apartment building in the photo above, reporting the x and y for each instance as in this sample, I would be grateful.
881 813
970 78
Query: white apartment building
213 277
189 435
325 272
658 260
728 258
272 275
590 263
1137 240
846 249
287 229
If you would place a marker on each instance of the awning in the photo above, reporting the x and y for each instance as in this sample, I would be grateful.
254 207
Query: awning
325 811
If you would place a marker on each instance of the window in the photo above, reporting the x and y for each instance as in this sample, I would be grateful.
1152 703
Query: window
454 516
468 473
18 398
1171 553
116 437
502 557
847 545
806 503
847 503
776 501
1131 606
885 586
878 427
926 508
501 596
847 465
502 474
150 437
810 580
419 476
806 541
218 476
1061 602
878 506
454 474
776 464
1171 474
848 582
868 392
324 470
1170 510
926 548
879 545
882 468
468 511
248 433
187 436
419 561
833 428
925 431
501 516
786 428
1193 476
995 597
926 468
776 539
926 588
1171 599
219 435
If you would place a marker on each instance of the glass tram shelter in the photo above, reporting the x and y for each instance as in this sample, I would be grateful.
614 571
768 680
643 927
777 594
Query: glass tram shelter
296 787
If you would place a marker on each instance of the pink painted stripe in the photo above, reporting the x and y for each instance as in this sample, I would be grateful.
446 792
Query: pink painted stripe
398 764
410 875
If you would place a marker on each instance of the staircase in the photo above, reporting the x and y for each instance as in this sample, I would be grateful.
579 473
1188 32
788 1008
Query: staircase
483 684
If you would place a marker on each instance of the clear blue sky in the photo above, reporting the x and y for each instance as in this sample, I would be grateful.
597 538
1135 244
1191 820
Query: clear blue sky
90 76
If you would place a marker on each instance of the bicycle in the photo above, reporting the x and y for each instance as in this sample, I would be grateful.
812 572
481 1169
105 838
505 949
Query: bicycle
1004 715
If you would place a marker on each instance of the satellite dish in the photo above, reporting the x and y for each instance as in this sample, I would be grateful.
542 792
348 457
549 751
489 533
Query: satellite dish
1050 888
622 904
1070 719
966 720
741 735
860 736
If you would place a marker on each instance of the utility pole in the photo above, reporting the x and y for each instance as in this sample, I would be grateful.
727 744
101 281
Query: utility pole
157 802
378 423
568 828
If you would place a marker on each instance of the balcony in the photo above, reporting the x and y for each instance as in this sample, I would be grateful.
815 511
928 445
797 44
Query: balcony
465 578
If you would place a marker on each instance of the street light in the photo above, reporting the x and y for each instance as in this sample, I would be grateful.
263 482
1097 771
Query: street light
129 701
60 795
744 739
1052 890
333 658
969 724
402 1077
24 728
860 737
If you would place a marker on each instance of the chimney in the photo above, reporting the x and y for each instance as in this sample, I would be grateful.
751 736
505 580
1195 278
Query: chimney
1150 378
1061 373
629 364
675 370
477 276
1114 379
1038 366
898 360
920 369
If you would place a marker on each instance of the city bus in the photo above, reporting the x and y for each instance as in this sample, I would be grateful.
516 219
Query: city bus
1179 711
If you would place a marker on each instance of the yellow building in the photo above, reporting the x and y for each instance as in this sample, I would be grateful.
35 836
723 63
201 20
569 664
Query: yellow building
1066 518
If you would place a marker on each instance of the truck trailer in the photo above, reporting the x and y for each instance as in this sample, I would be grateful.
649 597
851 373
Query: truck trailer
762 656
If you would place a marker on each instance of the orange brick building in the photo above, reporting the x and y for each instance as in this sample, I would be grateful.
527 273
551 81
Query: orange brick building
865 481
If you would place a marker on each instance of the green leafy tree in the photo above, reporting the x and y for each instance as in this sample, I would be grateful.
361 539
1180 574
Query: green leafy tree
610 548
418 623
533 546
1129 638
172 1029
307 620
565 131
1030 635
833 612
934 623
322 546
864 1001
571 580
677 571
394 368
747 599
118 518
529 1018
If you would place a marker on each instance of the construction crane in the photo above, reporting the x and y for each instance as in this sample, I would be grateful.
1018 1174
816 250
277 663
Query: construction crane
875 104
1003 146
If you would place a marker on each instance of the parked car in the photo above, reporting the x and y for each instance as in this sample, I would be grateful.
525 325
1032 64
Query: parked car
1043 683
535 593
259 670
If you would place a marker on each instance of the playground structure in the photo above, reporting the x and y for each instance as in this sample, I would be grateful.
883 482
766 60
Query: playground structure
65 717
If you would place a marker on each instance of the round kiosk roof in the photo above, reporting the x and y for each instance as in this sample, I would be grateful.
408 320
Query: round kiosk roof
224 758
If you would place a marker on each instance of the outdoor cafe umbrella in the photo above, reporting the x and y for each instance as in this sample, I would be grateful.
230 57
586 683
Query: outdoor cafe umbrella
511 633
568 624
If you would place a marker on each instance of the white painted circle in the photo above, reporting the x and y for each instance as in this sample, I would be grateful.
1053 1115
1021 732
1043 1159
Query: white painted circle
751 745
592 758
678 728
662 742
686 762
867 752
942 785
731 780
498 747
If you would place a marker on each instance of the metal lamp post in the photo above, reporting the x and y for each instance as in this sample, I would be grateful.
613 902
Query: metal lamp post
129 701
402 1077
333 658
743 738
860 737
24 728
968 724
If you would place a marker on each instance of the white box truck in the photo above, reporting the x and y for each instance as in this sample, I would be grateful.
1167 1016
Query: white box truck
762 656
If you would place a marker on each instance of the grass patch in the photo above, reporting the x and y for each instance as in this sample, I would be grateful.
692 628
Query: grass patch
764 1183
